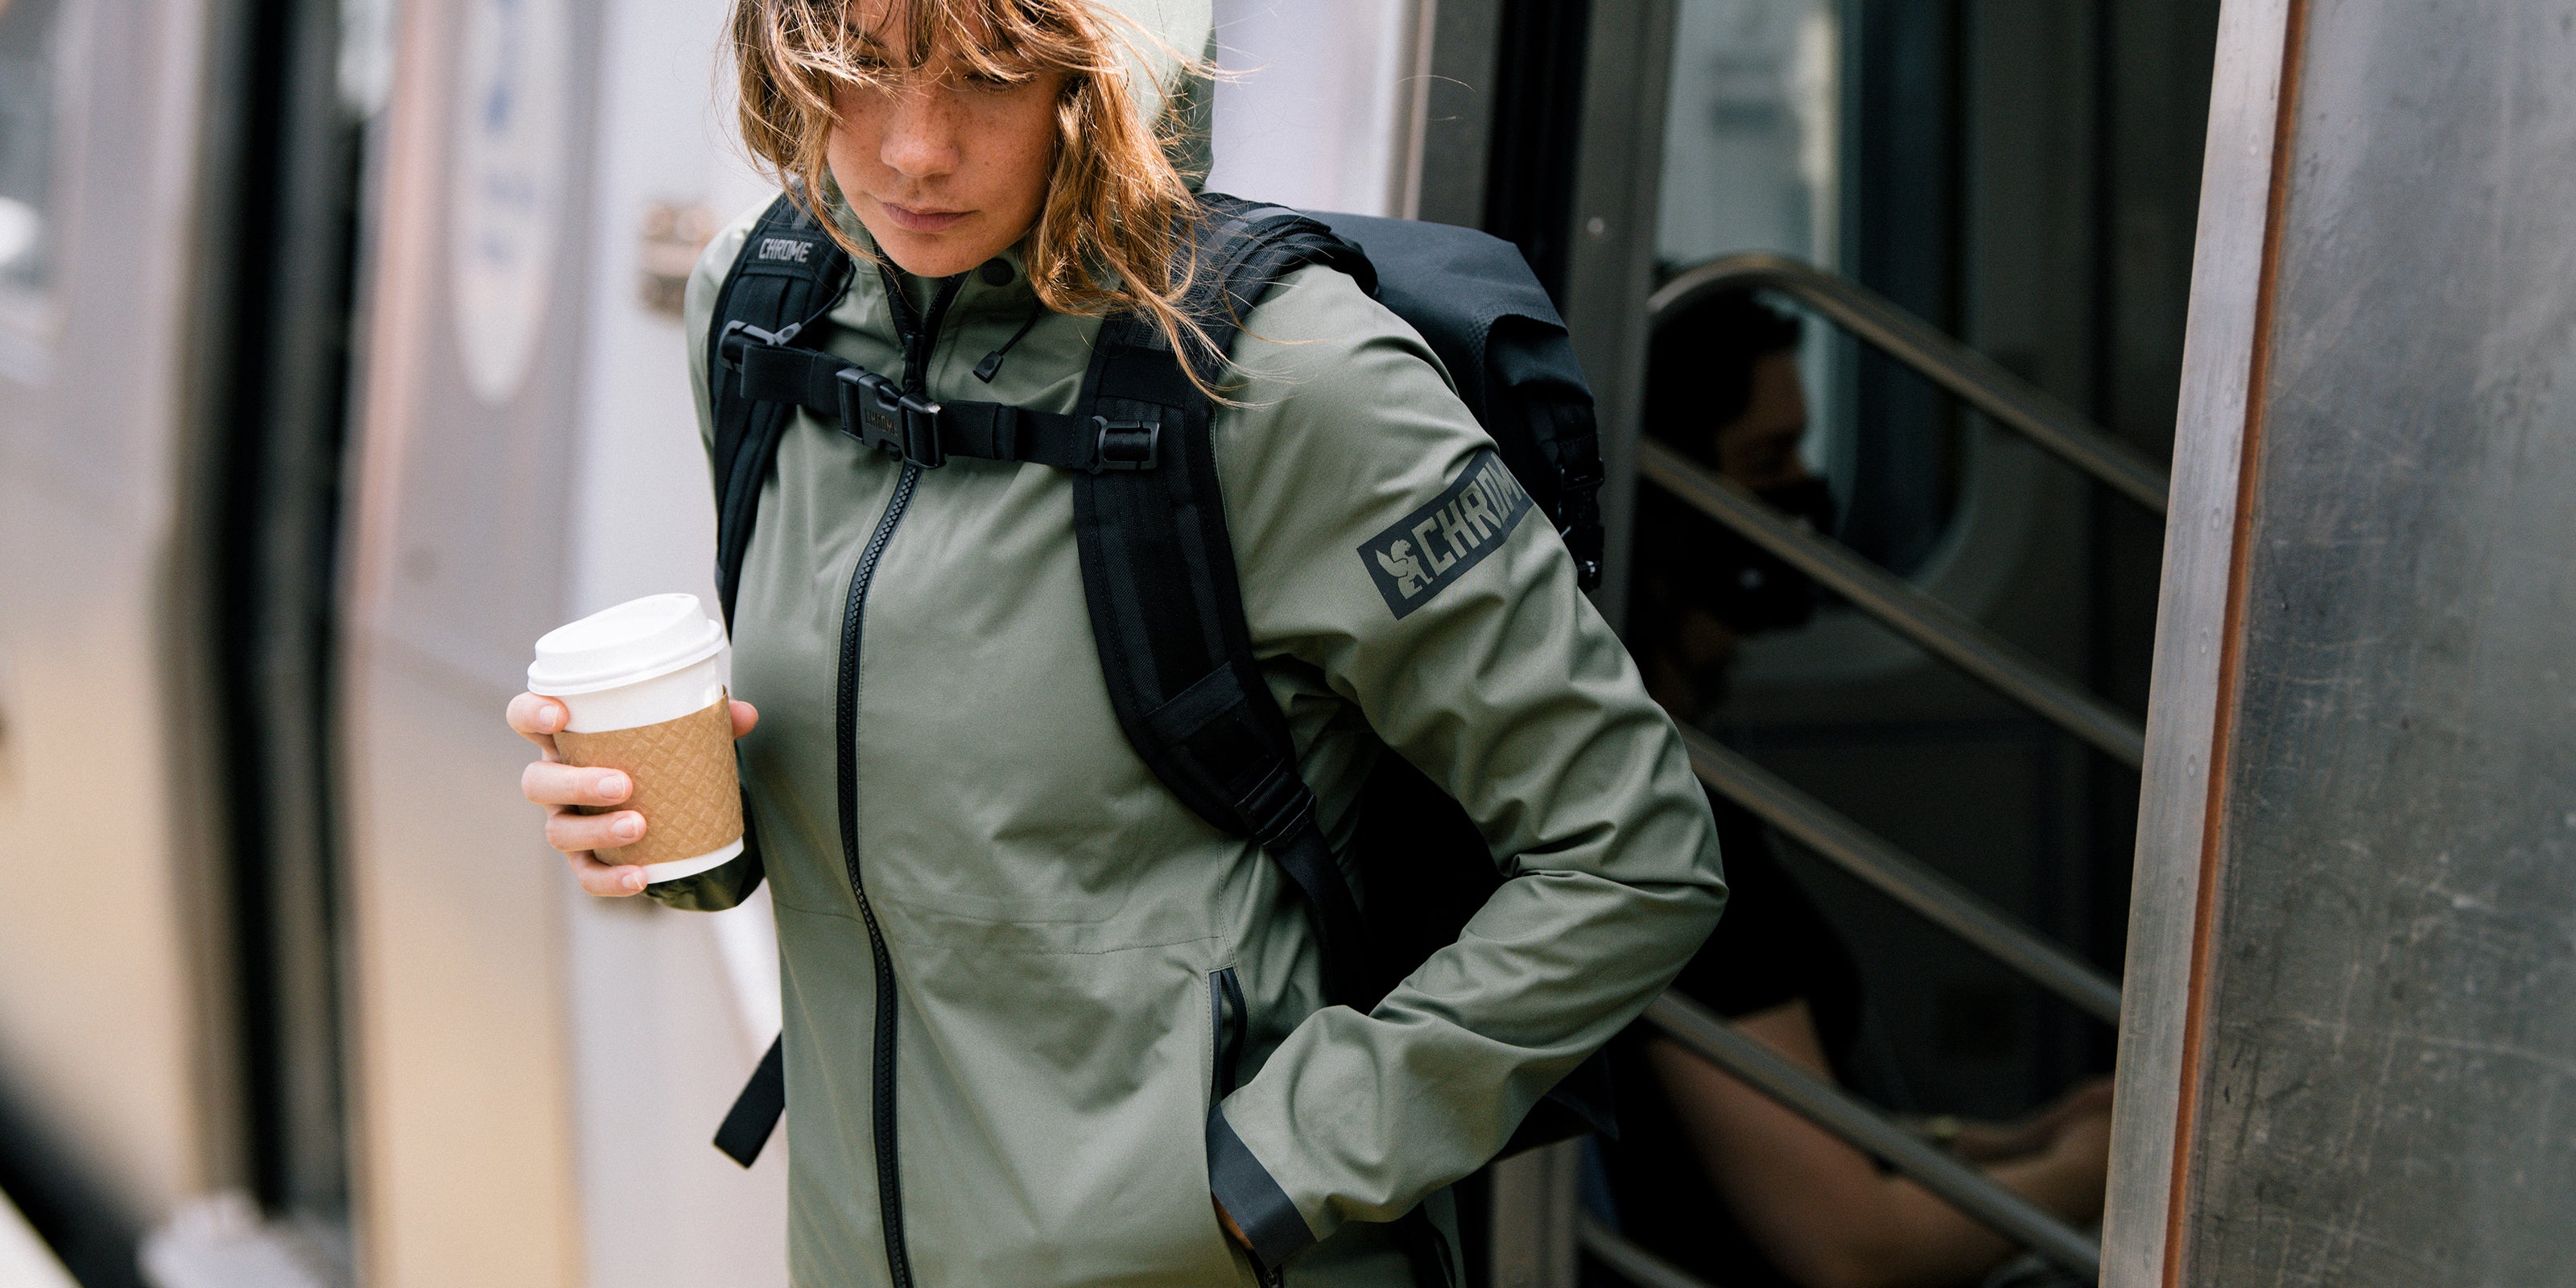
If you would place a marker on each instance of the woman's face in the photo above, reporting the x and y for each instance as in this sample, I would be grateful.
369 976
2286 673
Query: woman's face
946 171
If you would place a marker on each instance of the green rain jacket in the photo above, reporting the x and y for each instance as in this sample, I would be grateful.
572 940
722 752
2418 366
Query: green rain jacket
1056 921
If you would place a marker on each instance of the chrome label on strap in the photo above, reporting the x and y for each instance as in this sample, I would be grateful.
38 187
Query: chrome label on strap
1419 555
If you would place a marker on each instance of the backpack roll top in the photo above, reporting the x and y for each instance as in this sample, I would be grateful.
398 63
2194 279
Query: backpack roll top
1474 300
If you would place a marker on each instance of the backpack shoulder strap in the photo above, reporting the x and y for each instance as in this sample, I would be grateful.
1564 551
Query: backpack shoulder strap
789 273
1159 574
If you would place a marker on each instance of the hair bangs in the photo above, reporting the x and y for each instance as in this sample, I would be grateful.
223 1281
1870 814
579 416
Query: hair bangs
1116 230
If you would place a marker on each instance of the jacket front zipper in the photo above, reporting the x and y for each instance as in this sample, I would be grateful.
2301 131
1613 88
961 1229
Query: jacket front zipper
919 335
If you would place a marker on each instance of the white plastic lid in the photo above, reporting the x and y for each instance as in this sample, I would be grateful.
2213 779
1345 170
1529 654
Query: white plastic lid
636 640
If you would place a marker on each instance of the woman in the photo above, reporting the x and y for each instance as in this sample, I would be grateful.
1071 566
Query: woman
943 793
1707 1172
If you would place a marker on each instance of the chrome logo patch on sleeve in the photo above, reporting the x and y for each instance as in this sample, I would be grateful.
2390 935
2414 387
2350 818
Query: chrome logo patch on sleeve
1422 553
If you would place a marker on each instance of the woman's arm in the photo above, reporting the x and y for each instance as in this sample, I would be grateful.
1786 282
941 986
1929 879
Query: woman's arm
1386 552
1821 1210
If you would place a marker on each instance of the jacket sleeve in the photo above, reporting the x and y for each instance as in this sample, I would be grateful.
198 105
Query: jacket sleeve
1381 543
729 883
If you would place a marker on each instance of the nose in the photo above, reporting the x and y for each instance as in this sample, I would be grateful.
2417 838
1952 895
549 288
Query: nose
920 140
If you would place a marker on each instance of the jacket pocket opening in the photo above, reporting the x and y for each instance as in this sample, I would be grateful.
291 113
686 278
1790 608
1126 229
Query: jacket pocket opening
1228 1024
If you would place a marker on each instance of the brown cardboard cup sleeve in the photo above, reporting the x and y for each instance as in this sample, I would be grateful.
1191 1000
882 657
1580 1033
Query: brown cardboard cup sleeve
683 771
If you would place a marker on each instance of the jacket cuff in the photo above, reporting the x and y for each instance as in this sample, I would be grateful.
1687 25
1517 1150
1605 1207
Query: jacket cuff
1262 1210
714 890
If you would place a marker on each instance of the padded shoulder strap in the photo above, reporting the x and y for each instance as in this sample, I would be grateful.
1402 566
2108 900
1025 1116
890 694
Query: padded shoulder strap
788 275
1159 573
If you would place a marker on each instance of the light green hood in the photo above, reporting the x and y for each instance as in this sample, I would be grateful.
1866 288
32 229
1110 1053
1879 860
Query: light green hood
1165 86
1154 32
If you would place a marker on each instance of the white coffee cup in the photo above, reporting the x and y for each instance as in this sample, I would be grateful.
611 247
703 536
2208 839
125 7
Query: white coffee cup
645 683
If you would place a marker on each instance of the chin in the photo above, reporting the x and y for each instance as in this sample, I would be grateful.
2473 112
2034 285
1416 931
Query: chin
934 260
940 254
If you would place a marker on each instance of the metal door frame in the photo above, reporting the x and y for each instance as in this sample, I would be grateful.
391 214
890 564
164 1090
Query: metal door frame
2169 908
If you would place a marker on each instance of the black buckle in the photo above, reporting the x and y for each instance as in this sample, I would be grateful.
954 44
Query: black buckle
1124 444
878 414
727 348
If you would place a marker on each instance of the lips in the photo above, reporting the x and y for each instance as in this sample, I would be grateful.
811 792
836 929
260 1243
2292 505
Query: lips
918 219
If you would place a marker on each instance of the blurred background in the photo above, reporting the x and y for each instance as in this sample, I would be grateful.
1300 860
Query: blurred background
340 358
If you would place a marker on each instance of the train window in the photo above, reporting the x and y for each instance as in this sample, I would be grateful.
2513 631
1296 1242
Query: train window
1753 155
1750 148
29 33
1826 131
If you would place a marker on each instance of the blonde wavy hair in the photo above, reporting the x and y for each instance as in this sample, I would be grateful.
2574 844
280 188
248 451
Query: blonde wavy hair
1117 230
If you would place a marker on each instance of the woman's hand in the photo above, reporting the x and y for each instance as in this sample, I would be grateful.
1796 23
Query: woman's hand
558 786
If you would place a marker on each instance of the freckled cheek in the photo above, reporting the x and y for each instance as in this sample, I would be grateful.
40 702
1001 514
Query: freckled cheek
852 149
1020 161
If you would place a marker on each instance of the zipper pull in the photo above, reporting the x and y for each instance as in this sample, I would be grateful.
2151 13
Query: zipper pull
991 366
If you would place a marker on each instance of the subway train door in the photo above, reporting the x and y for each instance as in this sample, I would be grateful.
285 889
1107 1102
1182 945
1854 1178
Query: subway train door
1981 216
177 185
116 1052
2022 178
540 1072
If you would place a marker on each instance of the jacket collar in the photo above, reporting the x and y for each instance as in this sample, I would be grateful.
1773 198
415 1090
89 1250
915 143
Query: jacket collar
997 288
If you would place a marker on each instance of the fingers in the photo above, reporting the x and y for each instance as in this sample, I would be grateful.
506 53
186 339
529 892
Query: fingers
538 719
559 786
546 782
578 835
570 832
605 880
745 716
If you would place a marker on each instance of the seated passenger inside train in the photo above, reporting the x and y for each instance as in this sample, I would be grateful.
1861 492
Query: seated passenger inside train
1707 1172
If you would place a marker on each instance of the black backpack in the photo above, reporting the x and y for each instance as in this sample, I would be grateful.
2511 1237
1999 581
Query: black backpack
1157 563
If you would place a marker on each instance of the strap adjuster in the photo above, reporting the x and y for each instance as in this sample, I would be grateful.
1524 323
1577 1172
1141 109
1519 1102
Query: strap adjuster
1124 444
878 414
1277 805
727 347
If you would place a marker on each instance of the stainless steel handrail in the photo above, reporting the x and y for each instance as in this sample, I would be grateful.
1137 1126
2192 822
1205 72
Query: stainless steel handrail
1827 1106
1939 628
1633 1263
1902 877
1975 378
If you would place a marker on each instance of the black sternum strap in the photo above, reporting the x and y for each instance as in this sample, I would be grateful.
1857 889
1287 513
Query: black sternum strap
873 410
